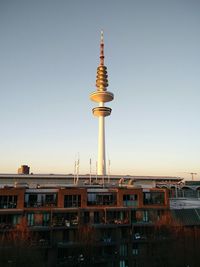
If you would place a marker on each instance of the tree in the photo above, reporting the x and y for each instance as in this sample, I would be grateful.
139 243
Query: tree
16 247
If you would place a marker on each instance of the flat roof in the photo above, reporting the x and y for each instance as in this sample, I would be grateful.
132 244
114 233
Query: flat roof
87 176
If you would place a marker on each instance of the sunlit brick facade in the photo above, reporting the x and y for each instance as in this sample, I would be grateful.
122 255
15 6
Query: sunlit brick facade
59 217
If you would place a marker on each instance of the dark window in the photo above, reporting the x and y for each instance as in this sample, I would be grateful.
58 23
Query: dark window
33 200
133 216
8 202
104 199
96 217
130 200
30 218
46 219
50 199
123 263
39 200
123 250
8 220
135 249
66 235
145 216
72 201
153 198
86 217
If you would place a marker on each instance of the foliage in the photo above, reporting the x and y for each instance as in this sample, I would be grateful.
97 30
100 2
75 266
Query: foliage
17 249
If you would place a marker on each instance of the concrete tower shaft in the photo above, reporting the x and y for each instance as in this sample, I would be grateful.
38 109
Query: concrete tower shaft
101 96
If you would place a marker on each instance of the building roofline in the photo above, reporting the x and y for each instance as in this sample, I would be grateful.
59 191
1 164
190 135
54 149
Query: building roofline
53 176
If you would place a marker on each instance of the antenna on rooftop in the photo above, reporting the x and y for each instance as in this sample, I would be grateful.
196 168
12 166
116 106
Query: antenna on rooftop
193 173
96 171
77 170
90 170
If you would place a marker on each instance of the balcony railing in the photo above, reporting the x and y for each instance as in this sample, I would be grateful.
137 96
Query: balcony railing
130 203
37 204
65 223
8 205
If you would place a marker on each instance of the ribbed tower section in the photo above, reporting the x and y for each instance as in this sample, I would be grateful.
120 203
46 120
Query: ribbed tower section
101 96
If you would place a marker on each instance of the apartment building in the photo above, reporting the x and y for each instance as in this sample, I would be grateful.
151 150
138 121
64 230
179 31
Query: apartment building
95 224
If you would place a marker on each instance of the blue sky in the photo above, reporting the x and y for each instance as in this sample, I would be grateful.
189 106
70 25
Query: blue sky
49 52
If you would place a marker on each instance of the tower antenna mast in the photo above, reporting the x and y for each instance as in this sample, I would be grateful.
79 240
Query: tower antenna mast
101 96
90 170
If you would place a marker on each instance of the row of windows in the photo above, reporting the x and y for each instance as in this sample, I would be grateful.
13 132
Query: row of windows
73 218
7 220
94 199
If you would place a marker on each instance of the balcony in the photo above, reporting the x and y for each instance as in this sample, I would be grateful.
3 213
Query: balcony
117 217
8 205
130 203
65 220
36 204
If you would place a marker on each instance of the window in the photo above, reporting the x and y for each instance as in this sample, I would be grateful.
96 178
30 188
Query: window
130 200
8 202
123 250
133 216
40 200
16 219
46 219
72 201
7 220
86 217
123 263
96 217
101 199
38 219
50 200
30 218
145 216
33 200
135 249
153 198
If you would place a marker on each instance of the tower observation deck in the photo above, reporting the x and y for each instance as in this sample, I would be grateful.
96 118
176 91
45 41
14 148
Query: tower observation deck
101 96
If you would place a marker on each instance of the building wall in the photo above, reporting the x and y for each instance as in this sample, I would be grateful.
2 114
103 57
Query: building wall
72 191
19 192
118 235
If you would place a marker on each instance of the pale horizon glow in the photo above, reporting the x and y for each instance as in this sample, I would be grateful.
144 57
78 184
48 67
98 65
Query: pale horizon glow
49 52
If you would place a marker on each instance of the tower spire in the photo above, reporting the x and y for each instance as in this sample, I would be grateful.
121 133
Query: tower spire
102 50
101 96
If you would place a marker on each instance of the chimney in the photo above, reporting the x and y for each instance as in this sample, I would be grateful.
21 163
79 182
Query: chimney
24 169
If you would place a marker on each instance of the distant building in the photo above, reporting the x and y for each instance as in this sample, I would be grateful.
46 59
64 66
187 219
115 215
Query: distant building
24 169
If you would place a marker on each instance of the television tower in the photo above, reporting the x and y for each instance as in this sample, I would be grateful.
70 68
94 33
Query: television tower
101 96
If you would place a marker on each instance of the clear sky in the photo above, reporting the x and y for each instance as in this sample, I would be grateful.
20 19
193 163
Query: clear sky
49 52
